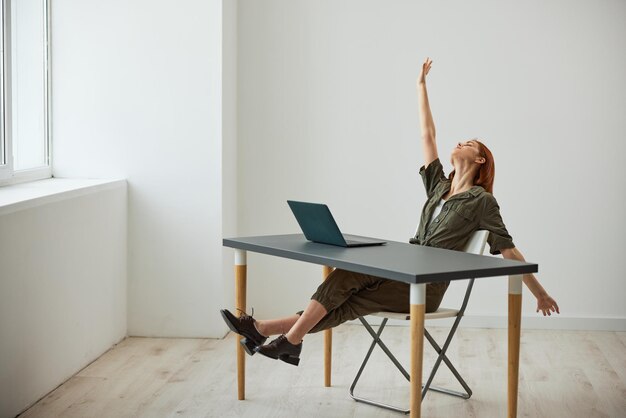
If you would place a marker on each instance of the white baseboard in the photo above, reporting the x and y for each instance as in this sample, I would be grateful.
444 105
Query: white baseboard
528 322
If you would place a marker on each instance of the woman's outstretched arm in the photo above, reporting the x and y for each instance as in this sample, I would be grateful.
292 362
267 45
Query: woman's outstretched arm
545 303
429 145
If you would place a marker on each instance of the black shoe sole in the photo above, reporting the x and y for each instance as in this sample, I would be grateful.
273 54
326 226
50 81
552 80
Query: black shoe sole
290 359
287 358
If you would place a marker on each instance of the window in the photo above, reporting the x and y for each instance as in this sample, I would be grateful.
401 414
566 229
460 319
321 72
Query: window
24 86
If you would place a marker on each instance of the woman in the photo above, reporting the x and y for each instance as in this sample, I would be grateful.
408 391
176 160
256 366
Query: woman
456 207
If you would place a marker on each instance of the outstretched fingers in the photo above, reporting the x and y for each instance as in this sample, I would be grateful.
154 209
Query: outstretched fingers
427 65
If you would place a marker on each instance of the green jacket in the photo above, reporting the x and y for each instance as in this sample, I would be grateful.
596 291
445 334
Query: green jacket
461 215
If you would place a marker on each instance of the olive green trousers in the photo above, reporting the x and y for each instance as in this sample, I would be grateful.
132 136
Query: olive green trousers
347 295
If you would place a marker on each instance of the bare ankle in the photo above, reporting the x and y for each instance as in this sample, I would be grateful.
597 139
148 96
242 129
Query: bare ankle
292 340
260 327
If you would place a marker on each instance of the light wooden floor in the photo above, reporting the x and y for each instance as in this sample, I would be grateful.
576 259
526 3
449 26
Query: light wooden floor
562 374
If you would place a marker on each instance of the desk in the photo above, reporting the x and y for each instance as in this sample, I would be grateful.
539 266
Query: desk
414 264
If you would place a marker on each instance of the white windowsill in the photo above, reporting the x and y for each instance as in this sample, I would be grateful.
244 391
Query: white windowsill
35 193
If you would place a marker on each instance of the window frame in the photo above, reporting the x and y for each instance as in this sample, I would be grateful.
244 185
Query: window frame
8 175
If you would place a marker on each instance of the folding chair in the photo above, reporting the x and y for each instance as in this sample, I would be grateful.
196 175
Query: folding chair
476 245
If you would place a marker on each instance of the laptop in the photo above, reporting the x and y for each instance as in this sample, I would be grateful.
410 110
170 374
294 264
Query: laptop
318 225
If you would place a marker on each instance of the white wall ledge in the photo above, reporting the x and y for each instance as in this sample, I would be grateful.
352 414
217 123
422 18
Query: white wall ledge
36 193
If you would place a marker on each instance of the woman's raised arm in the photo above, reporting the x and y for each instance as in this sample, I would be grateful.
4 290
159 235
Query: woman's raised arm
429 144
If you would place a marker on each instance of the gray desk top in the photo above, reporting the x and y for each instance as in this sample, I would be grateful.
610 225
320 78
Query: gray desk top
395 260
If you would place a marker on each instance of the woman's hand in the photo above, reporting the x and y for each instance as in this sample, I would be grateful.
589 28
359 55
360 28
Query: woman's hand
546 304
425 69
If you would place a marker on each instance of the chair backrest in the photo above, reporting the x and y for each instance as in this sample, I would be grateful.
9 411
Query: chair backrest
477 242
476 245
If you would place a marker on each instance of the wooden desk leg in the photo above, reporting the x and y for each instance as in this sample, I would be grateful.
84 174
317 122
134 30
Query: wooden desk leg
515 319
240 303
418 308
328 341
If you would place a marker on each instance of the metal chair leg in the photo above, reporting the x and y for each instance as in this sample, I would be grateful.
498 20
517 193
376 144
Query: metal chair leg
377 341
425 388
442 356
383 347
369 353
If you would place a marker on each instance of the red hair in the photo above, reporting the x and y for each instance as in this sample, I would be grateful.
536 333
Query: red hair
487 172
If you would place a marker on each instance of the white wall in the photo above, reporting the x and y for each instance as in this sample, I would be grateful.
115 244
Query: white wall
62 291
328 112
229 143
137 94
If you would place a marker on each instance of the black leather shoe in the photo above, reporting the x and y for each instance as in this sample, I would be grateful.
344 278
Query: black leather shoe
244 326
282 349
